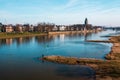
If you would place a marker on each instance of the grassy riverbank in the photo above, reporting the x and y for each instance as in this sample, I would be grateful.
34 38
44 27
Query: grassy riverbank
108 69
25 34
115 50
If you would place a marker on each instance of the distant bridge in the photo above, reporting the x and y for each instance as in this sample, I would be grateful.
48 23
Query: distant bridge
112 28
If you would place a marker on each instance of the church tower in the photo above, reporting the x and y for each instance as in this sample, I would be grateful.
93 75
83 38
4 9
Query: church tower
85 24
86 21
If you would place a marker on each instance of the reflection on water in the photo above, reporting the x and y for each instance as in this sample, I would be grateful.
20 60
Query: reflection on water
64 44
18 56
44 39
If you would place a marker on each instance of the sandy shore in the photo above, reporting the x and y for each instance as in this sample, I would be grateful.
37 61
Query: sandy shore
115 50
108 69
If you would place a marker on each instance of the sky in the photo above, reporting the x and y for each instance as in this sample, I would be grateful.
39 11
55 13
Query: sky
98 12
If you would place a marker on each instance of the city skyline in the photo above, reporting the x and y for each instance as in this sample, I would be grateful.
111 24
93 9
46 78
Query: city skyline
102 12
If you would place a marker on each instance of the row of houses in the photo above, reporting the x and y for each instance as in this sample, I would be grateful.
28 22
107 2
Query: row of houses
16 28
44 27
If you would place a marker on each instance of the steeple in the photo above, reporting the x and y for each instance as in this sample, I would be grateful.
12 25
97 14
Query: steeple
85 24
86 21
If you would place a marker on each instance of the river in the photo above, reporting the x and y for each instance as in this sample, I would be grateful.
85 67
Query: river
19 56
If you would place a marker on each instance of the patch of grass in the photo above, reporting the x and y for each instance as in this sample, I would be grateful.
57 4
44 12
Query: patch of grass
103 68
12 35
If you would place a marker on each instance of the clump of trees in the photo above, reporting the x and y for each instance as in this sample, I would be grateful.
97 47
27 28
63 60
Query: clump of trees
44 27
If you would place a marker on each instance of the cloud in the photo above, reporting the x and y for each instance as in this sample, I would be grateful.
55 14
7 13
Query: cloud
71 3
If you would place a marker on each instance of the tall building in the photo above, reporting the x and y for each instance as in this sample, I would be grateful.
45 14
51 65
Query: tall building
86 21
85 24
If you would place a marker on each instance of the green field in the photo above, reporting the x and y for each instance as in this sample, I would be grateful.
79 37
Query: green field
24 34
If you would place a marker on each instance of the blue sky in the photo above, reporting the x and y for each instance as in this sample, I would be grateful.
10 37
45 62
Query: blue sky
98 12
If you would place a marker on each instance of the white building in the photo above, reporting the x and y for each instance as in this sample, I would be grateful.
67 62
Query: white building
55 28
62 28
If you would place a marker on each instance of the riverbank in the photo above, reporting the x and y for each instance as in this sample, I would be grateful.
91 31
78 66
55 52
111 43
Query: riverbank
115 50
17 35
4 35
70 32
108 69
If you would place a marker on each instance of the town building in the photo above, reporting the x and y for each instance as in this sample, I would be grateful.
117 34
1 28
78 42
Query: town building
87 26
55 28
18 28
62 28
8 28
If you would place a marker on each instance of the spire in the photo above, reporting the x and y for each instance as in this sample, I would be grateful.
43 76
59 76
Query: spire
86 21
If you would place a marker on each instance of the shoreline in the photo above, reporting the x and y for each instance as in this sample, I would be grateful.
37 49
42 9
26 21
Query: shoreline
115 49
69 32
109 68
21 35
30 34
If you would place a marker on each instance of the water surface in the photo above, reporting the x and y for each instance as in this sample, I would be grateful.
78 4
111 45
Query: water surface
19 56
